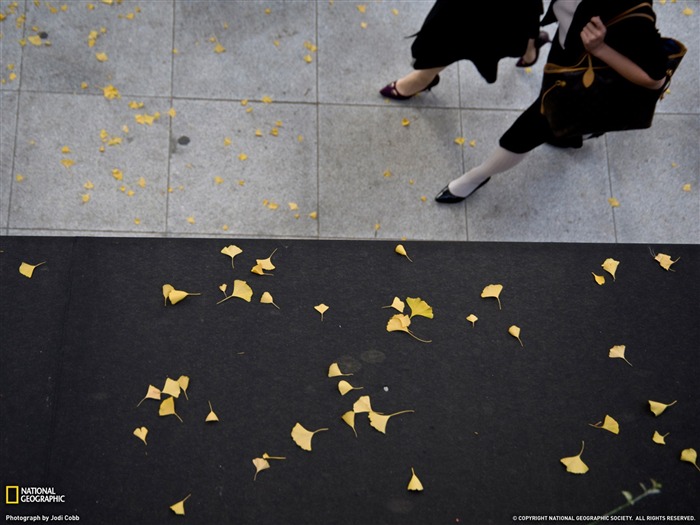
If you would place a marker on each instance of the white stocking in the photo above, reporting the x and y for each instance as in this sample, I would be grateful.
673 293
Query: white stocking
499 161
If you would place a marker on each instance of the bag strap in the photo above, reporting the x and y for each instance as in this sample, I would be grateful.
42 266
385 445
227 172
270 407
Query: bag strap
589 75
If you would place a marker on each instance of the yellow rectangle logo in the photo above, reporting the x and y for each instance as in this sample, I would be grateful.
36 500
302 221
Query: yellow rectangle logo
11 494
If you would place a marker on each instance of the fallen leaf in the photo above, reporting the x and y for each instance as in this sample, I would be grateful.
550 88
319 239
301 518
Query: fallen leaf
405 122
258 269
610 266
344 387
472 319
618 351
419 307
211 416
184 383
260 464
334 371
67 162
614 203
397 304
171 388
266 264
267 299
575 464
658 438
658 408
414 483
110 92
515 332
153 393
460 141
268 456
600 279
687 187
27 269
167 408
665 261
363 404
691 456
493 290
179 507
242 290
608 424
400 323
167 288
175 296
232 250
402 251
379 421
321 308
302 437
349 418
101 57
141 433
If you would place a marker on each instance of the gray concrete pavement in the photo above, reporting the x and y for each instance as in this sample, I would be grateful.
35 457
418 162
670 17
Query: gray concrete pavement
267 122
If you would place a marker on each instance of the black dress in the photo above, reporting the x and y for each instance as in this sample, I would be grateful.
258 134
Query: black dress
638 39
460 30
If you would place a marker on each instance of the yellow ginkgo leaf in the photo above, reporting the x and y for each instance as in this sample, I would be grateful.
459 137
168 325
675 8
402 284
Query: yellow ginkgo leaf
258 269
268 456
27 269
460 140
493 290
658 408
344 387
167 288
691 456
266 264
171 388
575 464
231 250
321 308
167 408
419 307
349 418
242 290
665 261
267 299
334 371
658 438
110 92
211 417
608 424
414 483
614 203
379 421
610 266
175 296
260 464
515 332
184 382
141 433
400 323
405 122
600 279
472 319
302 437
67 162
618 351
179 507
363 404
153 393
101 57
397 304
402 251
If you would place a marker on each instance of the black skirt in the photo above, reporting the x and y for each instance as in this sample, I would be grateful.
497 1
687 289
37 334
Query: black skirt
461 30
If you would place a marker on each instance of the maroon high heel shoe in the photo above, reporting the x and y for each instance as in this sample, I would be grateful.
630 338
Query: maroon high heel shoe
542 39
390 91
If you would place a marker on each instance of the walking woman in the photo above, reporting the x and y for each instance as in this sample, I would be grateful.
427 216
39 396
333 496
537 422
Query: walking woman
633 48
453 31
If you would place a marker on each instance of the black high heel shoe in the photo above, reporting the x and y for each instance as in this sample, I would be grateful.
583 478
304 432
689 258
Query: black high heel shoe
542 39
390 91
447 197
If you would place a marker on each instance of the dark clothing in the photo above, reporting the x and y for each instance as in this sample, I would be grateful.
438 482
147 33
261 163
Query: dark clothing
636 38
455 30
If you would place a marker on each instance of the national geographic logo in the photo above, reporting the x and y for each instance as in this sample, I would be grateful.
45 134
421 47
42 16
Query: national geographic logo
14 495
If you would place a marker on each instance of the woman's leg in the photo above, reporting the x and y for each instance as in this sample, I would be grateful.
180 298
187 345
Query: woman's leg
417 80
527 132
